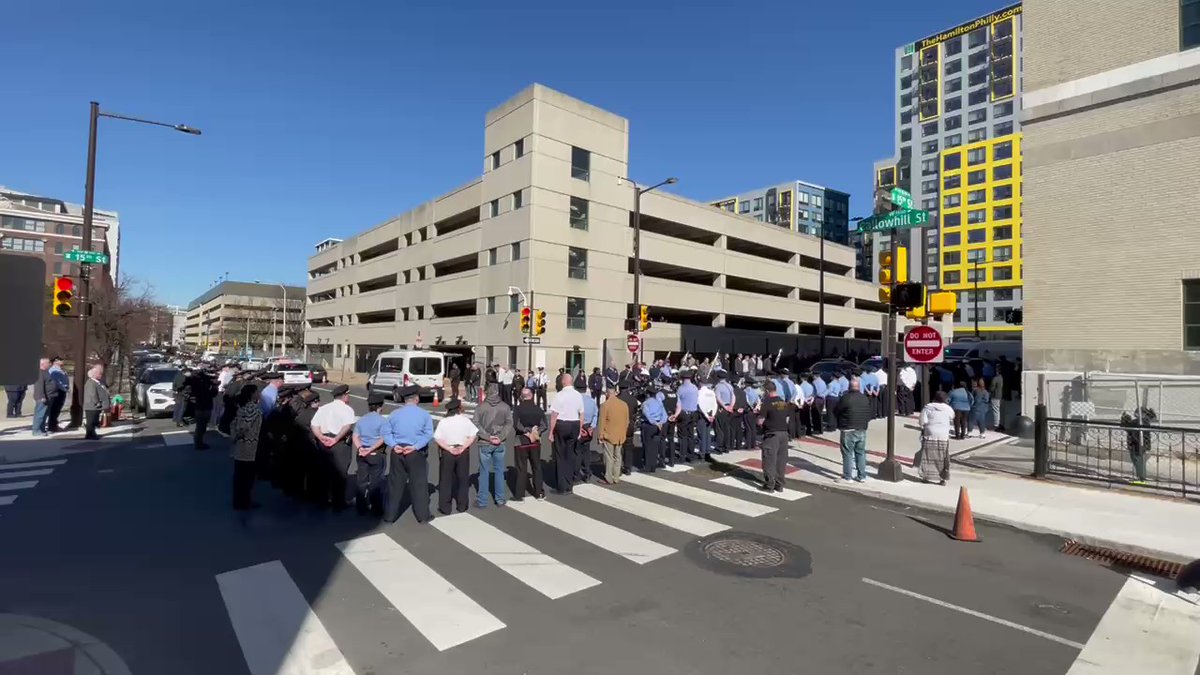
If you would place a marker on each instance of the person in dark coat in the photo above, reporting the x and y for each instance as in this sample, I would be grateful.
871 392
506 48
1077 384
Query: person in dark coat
596 384
203 390
518 384
455 376
304 461
16 398
244 431
179 386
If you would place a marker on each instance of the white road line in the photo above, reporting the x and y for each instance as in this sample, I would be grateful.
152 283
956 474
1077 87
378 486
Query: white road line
663 515
277 630
178 438
535 569
978 615
33 465
5 475
23 485
613 539
441 612
5 501
707 497
1144 630
678 468
788 493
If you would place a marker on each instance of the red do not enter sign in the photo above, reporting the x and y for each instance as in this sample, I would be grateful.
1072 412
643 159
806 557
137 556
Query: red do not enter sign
923 344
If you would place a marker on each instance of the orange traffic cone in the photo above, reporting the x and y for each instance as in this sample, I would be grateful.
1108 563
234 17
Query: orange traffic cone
437 399
964 522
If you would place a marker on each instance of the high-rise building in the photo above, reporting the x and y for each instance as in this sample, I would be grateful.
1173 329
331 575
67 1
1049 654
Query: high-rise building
958 151
49 228
798 206
238 317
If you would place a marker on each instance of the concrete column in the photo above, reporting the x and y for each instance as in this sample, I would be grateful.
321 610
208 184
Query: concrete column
794 294
718 321
719 282
793 327
722 242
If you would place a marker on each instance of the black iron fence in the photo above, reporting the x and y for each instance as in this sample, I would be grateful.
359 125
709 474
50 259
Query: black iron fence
1160 458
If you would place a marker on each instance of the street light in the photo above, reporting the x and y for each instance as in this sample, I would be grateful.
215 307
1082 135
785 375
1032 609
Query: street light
283 340
85 269
637 240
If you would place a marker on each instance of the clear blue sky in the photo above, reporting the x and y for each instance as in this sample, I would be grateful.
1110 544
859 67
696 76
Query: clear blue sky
324 118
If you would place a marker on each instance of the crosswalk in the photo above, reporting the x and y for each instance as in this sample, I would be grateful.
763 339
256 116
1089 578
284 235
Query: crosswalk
279 631
14 477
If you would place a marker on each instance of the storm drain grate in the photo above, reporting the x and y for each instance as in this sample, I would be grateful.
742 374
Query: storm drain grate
744 552
1114 558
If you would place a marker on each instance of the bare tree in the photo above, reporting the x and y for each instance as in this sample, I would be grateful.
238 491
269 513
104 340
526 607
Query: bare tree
119 312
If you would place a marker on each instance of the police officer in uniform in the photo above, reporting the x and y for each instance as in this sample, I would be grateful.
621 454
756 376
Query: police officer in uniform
749 419
308 480
775 417
689 397
406 436
670 401
372 458
627 395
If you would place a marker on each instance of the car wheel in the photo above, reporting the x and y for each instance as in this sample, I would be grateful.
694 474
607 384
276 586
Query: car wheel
396 394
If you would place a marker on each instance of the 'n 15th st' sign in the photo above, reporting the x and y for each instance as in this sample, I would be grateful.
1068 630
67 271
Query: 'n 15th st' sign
896 220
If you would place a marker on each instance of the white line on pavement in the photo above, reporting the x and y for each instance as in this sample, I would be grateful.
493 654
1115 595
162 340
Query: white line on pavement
535 569
1144 630
707 497
788 493
434 606
5 501
663 515
277 630
23 485
978 615
5 475
678 468
33 465
613 539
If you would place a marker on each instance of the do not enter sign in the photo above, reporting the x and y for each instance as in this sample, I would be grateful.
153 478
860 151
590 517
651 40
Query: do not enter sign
923 344
633 343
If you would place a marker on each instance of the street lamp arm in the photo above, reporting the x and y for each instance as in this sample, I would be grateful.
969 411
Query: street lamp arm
178 127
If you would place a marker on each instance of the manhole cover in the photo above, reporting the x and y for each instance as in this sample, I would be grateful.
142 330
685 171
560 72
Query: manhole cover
747 554
744 552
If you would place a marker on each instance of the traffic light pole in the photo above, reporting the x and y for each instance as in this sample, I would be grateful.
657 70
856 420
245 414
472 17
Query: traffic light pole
85 273
529 361
890 469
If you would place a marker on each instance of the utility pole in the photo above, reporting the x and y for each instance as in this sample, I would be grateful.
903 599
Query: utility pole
638 191
890 469
529 359
85 271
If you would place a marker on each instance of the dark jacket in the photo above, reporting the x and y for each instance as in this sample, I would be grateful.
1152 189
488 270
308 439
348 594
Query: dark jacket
527 416
596 382
853 411
775 414
44 388
493 417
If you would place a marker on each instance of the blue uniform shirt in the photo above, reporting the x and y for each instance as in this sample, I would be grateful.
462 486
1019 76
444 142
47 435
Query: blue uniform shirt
806 390
267 398
843 385
752 396
724 392
591 411
409 425
652 409
820 387
370 428
689 397
869 383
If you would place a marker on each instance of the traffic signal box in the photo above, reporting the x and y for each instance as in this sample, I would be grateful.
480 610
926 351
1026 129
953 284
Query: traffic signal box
539 322
893 269
62 296
644 318
526 319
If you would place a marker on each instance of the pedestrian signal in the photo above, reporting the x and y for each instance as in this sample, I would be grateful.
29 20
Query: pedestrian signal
62 296
908 296
943 303
539 322
526 319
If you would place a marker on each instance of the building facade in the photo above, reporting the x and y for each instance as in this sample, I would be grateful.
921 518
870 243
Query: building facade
549 222
797 206
1112 111
48 227
958 145
238 317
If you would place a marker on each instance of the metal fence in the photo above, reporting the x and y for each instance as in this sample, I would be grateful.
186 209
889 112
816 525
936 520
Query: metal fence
1107 396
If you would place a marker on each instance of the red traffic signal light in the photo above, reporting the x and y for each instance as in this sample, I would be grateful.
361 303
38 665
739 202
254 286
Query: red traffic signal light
526 319
62 295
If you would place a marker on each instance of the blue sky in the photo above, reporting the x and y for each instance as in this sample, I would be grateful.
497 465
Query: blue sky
324 118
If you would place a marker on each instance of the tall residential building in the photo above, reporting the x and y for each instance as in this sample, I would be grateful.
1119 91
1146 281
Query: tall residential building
958 151
797 206
48 227
1112 155
239 316
550 222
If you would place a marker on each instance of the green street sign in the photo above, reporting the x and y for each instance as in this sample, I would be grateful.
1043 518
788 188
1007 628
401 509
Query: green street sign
90 257
896 220
902 198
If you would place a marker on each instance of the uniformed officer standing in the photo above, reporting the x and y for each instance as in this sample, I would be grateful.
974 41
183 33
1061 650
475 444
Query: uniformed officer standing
774 416
750 415
305 462
832 395
817 412
332 426
670 401
372 457
407 433
807 402
725 410
455 436
654 418
689 404
737 422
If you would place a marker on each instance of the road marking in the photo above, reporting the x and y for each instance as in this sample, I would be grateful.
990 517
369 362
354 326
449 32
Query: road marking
658 513
441 612
788 493
535 569
1144 630
24 485
178 438
678 468
33 465
5 501
277 630
707 497
5 475
613 539
978 615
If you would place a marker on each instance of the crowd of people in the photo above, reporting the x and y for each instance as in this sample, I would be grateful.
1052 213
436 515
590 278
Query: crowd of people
51 391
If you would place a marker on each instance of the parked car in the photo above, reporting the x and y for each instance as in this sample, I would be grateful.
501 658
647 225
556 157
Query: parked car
319 376
827 368
254 363
273 362
153 394
294 373
393 370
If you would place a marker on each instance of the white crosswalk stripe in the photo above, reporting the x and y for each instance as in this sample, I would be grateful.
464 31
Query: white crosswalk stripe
537 570
708 497
20 485
613 539
677 468
9 473
32 465
434 606
663 515
32 473
7 499
788 493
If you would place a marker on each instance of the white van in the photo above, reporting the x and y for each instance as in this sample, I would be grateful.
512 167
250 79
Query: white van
990 350
393 370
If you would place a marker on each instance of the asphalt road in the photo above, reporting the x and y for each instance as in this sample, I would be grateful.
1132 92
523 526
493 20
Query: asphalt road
135 544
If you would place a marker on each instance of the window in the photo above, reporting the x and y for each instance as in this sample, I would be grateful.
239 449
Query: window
929 147
517 202
976 236
495 160
953 123
951 277
977 78
929 167
758 217
1002 294
744 206
977 116
905 135
492 256
953 140
77 231
905 100
929 186
58 229
494 208
1002 109
758 203
952 182
953 104
1001 192
953 46
581 163
58 247
1002 129
976 156
1002 253
929 203
906 82
977 38
976 177
952 160
954 85
577 263
976 216
491 304
976 274
951 258
1002 273
954 66
1002 233
803 197
802 214
1191 314
579 213
519 148
906 62
515 250
818 216
976 97
928 130
818 201
1003 172
951 239
1002 212
978 59
952 220
1002 151
58 268
1189 36
906 117
576 314
951 201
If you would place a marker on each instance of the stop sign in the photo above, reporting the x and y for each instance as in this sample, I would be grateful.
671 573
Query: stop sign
923 344
633 343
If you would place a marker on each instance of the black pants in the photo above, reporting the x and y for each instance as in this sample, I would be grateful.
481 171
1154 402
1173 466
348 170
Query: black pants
774 458
816 416
904 401
749 422
54 406
15 399
670 442
830 403
372 488
566 453
506 393
91 419
337 460
596 395
180 405
585 458
243 483
202 419
228 411
960 423
540 397
651 443
528 459
453 389
627 452
408 473
687 435
795 426
724 430
454 480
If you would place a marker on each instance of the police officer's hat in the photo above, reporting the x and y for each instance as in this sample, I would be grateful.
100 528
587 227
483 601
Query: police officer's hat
784 371
308 396
272 375
686 373
375 398
750 382
340 390
409 390
453 405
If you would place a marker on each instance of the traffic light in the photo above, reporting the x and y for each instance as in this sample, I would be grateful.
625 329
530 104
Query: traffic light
644 318
943 303
539 322
917 314
908 295
526 319
62 296
1014 316
893 269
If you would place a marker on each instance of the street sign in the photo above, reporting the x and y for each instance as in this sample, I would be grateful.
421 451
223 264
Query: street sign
923 344
90 257
902 198
905 219
531 340
633 343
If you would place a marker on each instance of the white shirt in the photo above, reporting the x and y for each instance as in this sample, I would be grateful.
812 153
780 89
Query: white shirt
936 419
224 379
568 403
882 375
908 377
707 401
331 417
506 377
455 430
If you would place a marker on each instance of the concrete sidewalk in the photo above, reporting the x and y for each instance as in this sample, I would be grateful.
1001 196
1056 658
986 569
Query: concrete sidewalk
1153 526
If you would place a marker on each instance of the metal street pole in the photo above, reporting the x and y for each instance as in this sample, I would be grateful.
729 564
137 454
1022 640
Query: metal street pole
821 294
890 469
637 251
976 294
529 358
